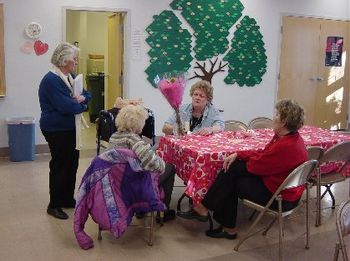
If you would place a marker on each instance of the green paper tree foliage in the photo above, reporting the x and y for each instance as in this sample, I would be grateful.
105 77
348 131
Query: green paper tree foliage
170 46
211 22
246 58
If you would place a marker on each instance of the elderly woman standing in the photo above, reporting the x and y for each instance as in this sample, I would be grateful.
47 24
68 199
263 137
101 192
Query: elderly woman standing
256 175
202 116
57 123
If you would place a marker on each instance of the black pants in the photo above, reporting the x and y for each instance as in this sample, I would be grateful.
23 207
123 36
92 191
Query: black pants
166 181
223 195
63 167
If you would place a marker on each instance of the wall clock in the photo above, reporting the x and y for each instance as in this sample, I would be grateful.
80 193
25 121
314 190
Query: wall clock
33 30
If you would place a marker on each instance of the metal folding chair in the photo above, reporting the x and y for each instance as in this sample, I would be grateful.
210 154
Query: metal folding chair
315 152
233 125
298 177
260 123
149 227
343 229
338 153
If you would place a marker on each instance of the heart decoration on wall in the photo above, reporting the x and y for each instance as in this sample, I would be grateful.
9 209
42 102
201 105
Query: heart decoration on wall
27 47
40 48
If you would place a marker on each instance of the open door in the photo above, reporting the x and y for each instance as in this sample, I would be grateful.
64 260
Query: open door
114 73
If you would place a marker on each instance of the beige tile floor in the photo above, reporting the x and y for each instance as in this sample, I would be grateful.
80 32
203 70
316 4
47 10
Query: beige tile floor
28 233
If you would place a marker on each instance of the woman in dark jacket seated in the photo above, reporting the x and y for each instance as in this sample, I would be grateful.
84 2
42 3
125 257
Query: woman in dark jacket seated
256 175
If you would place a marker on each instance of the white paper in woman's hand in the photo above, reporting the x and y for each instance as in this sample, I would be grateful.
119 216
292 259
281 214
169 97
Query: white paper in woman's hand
78 85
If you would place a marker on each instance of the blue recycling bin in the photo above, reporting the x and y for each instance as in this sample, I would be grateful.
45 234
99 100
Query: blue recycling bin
21 134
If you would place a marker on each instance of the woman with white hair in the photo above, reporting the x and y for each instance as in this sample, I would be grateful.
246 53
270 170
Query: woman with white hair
130 122
57 123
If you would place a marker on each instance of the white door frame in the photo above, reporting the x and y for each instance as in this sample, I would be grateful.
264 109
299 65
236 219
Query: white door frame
127 37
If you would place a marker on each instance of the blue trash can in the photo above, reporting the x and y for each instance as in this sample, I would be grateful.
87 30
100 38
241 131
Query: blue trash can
21 133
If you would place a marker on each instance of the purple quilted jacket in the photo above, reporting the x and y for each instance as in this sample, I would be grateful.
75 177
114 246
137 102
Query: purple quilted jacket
113 189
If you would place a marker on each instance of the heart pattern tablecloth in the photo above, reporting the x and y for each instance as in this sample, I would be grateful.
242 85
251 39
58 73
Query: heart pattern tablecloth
198 159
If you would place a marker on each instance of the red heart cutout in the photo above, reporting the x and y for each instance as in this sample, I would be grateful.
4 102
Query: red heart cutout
40 47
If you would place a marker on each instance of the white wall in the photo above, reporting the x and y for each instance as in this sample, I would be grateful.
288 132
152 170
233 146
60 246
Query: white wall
24 72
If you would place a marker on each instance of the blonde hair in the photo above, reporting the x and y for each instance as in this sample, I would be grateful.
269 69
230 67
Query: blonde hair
131 118
64 53
291 114
205 87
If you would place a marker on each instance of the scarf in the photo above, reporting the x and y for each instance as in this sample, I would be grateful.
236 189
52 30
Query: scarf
80 122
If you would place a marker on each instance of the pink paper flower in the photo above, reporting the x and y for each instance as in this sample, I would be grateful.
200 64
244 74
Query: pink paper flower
173 90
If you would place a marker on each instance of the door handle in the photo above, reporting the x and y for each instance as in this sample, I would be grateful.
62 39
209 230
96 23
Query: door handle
107 75
318 78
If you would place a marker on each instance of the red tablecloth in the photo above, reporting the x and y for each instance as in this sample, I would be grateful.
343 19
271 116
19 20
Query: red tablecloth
198 159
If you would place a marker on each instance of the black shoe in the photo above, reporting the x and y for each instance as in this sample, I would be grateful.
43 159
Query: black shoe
192 214
220 233
140 215
57 213
215 230
69 205
169 214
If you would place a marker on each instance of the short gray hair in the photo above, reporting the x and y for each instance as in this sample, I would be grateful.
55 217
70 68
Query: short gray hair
63 53
131 118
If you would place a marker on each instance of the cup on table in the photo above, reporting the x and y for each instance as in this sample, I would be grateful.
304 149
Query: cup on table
186 126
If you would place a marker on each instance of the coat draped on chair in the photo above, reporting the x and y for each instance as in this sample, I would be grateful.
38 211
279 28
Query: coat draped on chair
112 190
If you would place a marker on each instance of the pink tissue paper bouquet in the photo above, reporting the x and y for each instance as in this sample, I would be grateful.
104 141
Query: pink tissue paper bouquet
173 87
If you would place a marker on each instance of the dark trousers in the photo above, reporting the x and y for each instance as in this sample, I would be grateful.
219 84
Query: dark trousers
222 197
166 181
63 167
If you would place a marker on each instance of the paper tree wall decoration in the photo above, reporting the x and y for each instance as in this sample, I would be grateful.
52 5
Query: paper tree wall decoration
170 46
246 58
211 22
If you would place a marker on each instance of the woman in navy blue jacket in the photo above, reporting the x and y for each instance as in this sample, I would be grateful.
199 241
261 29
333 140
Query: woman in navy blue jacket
57 123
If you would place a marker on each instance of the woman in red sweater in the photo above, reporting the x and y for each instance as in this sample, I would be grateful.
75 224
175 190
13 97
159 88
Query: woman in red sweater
256 175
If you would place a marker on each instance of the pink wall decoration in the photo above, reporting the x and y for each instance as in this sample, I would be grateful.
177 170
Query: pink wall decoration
27 47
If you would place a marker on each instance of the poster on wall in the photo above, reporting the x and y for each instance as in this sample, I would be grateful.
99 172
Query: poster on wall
334 50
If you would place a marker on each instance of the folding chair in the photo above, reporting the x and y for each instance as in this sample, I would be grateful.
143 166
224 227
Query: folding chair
112 189
298 177
260 123
149 226
338 153
105 127
343 229
315 152
233 125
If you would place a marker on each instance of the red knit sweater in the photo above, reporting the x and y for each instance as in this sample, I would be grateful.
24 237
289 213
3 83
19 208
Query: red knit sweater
274 163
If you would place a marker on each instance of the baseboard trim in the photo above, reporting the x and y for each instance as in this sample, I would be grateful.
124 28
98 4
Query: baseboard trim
39 149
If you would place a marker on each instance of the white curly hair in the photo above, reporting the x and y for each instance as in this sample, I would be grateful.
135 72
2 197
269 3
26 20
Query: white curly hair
131 118
63 53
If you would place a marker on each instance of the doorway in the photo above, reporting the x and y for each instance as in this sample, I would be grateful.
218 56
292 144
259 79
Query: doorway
100 37
321 89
